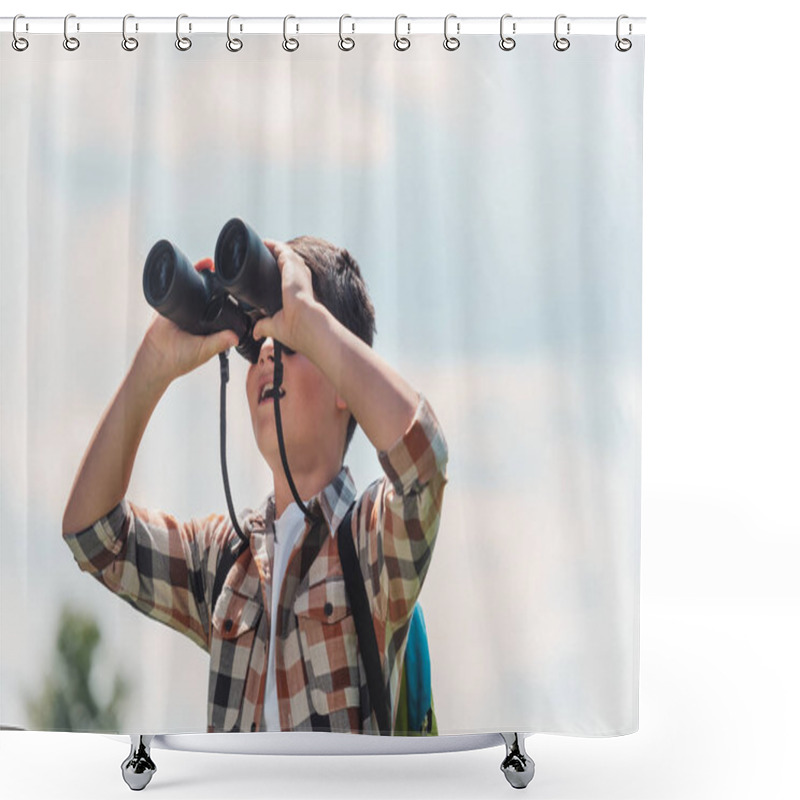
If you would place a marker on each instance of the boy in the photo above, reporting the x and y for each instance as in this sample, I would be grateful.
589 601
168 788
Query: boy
281 636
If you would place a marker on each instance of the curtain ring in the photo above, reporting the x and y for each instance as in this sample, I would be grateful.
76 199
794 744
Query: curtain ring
129 43
346 42
18 43
506 42
561 43
70 42
401 42
451 42
234 45
181 42
289 45
623 45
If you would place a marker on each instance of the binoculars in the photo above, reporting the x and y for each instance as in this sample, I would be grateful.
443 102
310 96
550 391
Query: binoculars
244 286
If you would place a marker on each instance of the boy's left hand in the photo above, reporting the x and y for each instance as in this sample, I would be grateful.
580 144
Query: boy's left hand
297 294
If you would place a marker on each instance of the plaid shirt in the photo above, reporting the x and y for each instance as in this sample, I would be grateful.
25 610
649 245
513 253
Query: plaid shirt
167 570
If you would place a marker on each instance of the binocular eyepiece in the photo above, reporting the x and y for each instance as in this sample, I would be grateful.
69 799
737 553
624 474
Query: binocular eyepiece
244 286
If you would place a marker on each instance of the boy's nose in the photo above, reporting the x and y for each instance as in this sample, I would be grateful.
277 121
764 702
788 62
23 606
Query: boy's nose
267 352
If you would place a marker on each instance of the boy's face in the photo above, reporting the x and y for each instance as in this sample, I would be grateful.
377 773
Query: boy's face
313 416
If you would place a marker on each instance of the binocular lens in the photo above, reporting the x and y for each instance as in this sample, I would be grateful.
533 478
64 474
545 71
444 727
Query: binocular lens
159 272
231 251
192 299
246 267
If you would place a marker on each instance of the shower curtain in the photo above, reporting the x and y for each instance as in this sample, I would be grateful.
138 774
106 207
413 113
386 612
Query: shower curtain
490 199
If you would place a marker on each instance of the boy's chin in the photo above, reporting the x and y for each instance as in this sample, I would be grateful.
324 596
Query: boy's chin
273 462
268 447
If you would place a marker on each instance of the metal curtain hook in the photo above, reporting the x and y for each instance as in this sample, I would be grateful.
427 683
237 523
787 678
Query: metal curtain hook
401 42
234 45
182 42
70 42
561 43
129 43
17 42
623 45
346 42
506 42
289 45
451 42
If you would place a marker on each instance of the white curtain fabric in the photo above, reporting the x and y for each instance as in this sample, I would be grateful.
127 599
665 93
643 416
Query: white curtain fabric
493 201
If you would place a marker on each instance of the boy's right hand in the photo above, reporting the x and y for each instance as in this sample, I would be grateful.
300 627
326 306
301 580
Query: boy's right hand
169 352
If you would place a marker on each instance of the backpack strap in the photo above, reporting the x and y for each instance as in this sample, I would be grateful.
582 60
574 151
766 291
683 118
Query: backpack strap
365 629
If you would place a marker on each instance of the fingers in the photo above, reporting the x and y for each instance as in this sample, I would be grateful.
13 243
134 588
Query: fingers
263 329
279 249
222 340
275 247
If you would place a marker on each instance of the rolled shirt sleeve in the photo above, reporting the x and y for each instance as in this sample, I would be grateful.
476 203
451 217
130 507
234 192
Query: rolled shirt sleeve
162 567
405 507
419 455
97 546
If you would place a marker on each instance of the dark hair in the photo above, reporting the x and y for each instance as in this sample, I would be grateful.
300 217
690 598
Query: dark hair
338 284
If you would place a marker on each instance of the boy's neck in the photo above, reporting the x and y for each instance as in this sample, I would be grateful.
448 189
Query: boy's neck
308 484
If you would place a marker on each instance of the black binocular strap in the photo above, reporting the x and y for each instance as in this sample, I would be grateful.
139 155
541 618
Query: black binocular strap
277 382
224 375
365 630
224 372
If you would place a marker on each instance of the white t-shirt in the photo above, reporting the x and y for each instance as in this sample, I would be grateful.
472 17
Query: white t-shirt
288 530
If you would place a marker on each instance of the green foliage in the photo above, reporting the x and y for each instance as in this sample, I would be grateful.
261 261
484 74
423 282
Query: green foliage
67 701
